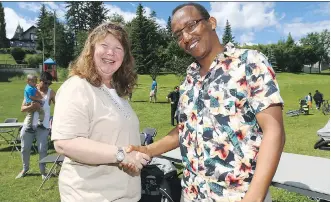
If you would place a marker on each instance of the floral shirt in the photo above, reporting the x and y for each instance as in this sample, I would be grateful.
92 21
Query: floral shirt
218 131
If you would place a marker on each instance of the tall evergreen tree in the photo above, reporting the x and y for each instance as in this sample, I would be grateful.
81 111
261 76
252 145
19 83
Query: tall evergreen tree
169 26
4 42
96 13
227 36
77 16
45 34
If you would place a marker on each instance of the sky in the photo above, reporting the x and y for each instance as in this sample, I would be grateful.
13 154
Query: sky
251 22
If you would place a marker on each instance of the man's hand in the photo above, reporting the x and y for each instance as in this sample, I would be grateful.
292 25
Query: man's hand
130 167
134 161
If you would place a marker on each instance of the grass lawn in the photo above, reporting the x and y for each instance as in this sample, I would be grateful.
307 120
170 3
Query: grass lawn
300 131
7 59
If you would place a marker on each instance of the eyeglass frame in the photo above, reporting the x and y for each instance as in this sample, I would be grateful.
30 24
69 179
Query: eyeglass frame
194 24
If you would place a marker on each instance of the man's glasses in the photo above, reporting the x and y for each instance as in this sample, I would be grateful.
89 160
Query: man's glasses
189 28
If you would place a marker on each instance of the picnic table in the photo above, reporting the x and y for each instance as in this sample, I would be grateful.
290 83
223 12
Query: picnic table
307 175
4 131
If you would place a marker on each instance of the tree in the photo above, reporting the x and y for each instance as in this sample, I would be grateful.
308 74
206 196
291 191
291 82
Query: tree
227 36
311 47
272 58
96 13
117 18
18 54
77 16
64 45
45 34
4 42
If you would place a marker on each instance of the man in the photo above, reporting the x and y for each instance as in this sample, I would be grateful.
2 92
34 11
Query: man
153 91
318 99
173 97
228 98
41 134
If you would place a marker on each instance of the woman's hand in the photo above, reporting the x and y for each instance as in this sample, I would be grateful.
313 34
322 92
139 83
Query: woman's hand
134 162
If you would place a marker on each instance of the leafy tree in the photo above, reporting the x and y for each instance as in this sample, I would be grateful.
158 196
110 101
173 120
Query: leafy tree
227 36
4 42
117 18
18 54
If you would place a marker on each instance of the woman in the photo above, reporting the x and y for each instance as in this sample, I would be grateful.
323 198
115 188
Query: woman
93 124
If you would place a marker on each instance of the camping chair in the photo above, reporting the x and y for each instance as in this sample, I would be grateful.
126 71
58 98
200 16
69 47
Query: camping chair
57 160
8 131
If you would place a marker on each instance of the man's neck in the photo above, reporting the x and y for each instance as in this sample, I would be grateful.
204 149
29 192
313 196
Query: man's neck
208 60
42 89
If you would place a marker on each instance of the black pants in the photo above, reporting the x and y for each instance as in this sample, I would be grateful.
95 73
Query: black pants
173 111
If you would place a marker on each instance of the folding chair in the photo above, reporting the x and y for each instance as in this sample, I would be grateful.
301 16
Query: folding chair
150 131
8 131
57 162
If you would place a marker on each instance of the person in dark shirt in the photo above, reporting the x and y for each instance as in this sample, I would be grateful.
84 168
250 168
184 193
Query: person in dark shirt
173 97
318 99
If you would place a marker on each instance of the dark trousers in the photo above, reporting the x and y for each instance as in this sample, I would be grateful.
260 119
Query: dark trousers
173 111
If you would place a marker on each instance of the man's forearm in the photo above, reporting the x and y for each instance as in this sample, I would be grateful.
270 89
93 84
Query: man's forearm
167 143
267 161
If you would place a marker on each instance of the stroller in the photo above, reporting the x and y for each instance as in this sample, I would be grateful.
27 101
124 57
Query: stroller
324 142
159 179
303 109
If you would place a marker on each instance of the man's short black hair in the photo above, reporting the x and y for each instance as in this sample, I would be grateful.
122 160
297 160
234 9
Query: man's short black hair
202 10
176 87
45 76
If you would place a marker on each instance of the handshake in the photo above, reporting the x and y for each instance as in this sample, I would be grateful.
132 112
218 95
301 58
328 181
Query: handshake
135 158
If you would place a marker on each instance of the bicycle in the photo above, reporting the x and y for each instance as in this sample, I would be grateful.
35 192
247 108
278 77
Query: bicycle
303 109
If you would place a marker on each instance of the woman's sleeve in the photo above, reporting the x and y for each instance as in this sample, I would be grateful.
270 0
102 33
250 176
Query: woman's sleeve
72 110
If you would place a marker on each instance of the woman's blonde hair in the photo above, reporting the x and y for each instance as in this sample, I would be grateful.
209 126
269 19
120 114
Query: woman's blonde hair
124 79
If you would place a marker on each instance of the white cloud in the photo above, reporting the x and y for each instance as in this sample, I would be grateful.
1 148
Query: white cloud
12 20
247 37
244 15
297 19
128 16
299 29
31 6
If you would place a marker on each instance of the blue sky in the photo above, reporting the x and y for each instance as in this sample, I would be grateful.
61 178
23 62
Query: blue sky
252 22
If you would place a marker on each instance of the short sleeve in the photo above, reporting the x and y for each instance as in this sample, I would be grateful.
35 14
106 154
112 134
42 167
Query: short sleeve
31 91
263 89
72 110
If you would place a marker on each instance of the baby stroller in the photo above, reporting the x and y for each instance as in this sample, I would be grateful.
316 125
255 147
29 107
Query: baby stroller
303 109
324 142
159 179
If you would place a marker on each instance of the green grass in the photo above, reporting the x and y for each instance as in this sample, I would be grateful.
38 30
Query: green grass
7 59
300 131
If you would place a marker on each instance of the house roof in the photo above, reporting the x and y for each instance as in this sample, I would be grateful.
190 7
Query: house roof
16 37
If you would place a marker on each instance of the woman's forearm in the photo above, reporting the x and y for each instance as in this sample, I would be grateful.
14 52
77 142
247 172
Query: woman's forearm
87 151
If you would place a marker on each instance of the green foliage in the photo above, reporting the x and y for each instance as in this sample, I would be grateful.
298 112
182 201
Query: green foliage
62 73
33 60
117 18
80 41
227 36
18 54
4 42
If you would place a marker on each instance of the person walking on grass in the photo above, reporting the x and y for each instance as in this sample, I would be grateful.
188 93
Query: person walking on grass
152 93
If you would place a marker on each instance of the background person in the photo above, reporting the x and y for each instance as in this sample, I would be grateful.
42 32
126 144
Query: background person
41 134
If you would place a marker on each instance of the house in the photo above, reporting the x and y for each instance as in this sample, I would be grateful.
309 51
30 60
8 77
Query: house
24 39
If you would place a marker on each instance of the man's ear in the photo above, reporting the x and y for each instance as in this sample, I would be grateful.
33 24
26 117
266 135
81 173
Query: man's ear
213 22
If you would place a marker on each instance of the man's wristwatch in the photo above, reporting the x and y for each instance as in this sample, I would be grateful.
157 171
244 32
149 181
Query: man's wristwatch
120 155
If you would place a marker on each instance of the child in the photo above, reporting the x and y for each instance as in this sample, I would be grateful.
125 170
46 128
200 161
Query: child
31 94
